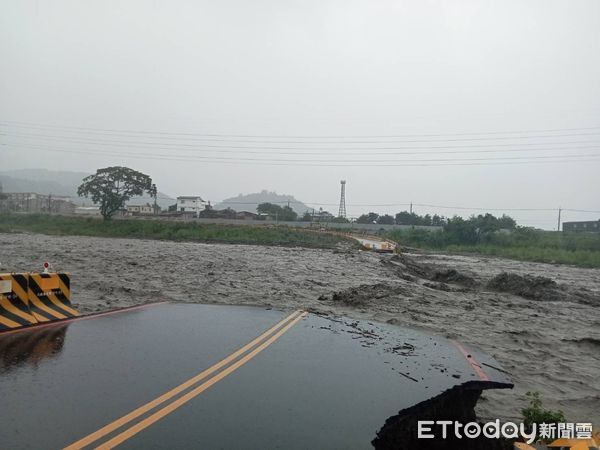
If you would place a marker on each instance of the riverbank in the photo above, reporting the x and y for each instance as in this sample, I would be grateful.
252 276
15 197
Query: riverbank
577 249
170 230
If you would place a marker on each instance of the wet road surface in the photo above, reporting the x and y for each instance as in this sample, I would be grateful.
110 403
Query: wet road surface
190 375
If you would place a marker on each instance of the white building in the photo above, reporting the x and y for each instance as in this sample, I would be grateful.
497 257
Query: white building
191 204
88 210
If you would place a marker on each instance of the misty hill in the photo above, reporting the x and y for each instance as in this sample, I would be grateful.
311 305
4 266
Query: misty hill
11 184
54 177
249 202
63 183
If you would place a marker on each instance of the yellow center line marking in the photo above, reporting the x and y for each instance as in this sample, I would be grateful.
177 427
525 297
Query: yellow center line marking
168 409
87 440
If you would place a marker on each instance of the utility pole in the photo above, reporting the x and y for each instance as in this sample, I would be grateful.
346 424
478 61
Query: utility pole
411 207
155 194
559 211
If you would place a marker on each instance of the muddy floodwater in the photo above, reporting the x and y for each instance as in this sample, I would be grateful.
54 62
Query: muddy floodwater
540 321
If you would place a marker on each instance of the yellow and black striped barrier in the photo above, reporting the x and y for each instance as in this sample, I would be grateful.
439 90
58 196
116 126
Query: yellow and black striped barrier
50 296
14 301
32 298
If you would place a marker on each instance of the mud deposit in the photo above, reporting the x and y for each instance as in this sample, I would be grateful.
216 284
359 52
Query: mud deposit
544 331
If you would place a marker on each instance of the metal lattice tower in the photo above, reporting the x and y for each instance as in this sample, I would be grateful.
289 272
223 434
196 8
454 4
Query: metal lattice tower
342 212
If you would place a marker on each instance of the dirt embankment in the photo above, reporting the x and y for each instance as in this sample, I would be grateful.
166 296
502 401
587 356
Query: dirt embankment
410 269
540 321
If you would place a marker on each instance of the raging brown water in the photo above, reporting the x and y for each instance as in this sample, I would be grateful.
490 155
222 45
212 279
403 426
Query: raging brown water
551 346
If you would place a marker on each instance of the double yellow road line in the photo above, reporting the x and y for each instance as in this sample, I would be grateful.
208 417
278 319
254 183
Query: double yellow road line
229 365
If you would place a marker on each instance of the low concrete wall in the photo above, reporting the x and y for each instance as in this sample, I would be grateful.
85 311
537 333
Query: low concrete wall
349 227
377 227
333 226
366 227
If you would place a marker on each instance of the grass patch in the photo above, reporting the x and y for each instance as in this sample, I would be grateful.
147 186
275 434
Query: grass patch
166 230
524 244
536 414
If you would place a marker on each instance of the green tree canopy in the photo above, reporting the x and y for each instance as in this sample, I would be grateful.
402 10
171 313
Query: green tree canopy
476 229
111 187
462 231
368 218
306 217
386 219
286 213
406 218
438 220
340 220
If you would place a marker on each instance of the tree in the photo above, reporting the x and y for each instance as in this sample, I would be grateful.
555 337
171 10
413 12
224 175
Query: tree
461 231
111 187
507 222
268 208
340 220
479 229
277 212
306 217
368 218
386 219
404 218
438 220
154 194
288 214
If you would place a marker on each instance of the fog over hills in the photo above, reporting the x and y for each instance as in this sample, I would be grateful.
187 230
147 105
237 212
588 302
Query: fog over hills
65 183
42 181
249 202
62 183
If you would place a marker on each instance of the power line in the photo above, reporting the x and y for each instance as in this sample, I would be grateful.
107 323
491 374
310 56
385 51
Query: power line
26 145
389 205
343 163
254 141
581 211
323 150
379 205
125 131
483 209
312 203
109 141
426 205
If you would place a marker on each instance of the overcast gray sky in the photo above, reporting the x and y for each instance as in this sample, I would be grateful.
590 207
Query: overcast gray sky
435 75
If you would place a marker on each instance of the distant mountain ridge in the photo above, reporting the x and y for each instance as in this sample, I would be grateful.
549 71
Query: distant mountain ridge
62 183
249 202
11 184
